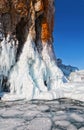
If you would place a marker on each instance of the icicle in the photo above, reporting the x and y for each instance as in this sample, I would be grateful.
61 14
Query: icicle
7 58
54 74
27 77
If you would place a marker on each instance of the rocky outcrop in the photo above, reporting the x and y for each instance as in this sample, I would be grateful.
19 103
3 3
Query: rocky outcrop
19 17
27 58
28 68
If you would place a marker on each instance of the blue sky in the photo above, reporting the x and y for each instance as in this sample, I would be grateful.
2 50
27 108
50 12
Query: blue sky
69 32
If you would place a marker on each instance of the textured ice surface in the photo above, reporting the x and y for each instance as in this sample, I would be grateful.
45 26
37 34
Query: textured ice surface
61 114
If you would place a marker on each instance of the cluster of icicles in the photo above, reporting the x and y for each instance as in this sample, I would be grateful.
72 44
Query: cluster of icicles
7 60
31 77
34 75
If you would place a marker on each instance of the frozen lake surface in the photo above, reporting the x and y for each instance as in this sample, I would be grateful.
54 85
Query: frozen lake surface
59 114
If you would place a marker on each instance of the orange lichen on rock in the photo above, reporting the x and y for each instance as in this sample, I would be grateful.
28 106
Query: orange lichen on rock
45 31
47 22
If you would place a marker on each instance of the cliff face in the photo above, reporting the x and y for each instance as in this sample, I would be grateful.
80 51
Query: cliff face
20 17
27 62
28 68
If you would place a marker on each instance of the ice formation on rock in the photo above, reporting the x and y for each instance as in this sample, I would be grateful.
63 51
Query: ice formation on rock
28 68
66 69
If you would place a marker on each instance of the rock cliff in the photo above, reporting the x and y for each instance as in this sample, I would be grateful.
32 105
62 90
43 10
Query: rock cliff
21 17
28 66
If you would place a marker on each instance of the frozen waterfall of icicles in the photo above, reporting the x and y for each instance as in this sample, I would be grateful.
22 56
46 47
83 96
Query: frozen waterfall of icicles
30 77
33 76
7 59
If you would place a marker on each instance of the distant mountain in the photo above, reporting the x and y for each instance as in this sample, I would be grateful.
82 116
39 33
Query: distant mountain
66 69
72 73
